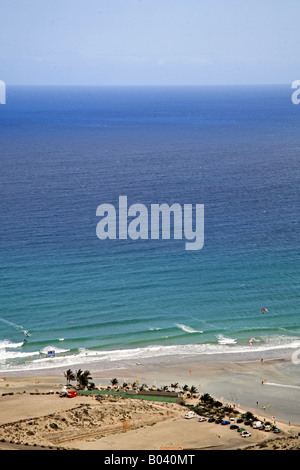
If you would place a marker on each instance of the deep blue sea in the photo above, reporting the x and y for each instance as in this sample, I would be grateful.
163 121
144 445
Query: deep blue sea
65 151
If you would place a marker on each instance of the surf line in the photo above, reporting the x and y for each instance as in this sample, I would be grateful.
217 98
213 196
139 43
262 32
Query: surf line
160 222
282 385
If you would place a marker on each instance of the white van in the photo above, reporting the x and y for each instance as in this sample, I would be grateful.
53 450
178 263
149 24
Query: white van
257 425
189 415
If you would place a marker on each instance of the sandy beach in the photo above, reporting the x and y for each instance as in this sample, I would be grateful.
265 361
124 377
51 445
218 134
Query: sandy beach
33 415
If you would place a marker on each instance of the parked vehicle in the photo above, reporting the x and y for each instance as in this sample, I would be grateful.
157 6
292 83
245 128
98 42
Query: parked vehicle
257 425
189 415
211 420
201 419
234 426
224 422
276 431
268 428
71 394
241 430
245 434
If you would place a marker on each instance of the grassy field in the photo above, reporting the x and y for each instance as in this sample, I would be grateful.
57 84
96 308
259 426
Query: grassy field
127 395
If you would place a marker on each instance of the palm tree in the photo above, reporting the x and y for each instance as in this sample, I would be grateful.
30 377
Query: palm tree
193 389
218 404
248 416
114 381
83 378
206 398
78 374
175 386
185 388
86 376
69 376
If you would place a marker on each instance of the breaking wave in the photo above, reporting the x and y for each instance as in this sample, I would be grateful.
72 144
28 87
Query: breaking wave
187 329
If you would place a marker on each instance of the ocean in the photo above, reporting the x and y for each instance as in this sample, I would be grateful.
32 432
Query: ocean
66 150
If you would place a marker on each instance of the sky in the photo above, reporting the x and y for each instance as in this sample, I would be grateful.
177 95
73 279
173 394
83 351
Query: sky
149 42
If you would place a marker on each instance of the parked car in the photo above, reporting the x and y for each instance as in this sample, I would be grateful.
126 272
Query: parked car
201 419
239 420
241 430
247 423
276 431
189 415
218 421
245 434
63 394
211 420
268 428
224 422
234 426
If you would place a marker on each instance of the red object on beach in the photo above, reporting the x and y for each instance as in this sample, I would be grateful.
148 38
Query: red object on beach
72 394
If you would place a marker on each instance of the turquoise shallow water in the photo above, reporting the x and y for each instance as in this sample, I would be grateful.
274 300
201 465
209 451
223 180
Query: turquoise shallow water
65 151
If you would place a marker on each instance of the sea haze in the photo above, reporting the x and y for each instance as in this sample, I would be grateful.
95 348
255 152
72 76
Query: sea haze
64 151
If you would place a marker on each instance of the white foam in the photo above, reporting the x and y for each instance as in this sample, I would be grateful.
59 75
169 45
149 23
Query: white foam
187 329
224 340
53 348
6 355
282 385
116 357
8 344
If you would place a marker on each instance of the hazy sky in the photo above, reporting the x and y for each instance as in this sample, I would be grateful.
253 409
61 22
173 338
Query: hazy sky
149 42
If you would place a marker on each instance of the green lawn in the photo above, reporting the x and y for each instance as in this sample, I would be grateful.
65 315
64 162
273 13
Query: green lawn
126 395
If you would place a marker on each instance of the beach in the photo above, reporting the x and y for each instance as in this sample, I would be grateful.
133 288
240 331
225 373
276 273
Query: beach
33 414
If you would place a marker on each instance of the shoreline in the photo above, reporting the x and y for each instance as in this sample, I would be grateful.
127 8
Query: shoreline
270 387
149 354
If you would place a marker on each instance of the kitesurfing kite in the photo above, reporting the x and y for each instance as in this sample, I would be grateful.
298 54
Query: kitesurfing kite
263 310
251 341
